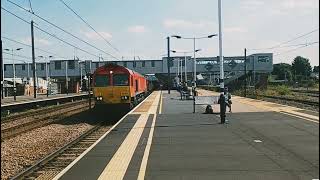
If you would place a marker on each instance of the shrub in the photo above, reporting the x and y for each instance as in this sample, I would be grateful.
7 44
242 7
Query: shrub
283 90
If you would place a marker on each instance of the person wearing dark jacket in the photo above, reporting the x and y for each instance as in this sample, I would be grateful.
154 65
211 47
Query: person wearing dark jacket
228 98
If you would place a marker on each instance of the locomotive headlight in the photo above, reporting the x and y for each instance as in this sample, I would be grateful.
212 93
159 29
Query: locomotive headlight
99 98
124 97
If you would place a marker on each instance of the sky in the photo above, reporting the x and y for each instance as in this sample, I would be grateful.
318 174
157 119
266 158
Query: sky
140 27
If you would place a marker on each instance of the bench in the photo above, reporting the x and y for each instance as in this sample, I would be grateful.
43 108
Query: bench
185 95
205 100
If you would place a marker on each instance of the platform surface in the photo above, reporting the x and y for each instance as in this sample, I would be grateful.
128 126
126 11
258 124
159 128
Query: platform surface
163 139
25 99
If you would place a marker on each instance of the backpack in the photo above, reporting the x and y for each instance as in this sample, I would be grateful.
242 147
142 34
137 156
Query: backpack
209 109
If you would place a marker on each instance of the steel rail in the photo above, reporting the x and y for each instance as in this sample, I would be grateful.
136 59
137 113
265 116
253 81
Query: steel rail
53 155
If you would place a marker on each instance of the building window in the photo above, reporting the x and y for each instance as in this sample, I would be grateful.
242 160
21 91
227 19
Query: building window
71 65
125 64
57 65
152 64
42 67
23 67
5 67
143 63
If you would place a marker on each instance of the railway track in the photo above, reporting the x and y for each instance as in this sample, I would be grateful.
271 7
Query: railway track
21 123
39 111
306 91
51 165
311 103
315 95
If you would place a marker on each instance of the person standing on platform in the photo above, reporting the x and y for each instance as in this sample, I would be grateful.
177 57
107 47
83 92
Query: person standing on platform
228 98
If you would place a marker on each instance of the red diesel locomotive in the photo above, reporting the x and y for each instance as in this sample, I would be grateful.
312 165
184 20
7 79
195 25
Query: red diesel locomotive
118 85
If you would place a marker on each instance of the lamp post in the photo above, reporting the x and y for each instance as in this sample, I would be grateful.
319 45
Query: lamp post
178 64
81 74
2 73
222 97
67 88
14 73
194 53
168 63
80 67
185 68
28 72
49 77
245 72
25 63
185 61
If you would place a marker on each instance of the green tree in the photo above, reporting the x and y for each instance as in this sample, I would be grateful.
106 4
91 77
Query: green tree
282 71
301 67
316 69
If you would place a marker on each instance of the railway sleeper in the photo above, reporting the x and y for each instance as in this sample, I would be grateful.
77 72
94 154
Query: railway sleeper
66 158
69 154
80 146
89 141
91 138
48 169
85 143
74 149
47 175
59 163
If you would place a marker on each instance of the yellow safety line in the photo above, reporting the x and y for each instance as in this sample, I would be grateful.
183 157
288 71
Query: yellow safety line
119 163
144 162
94 144
160 108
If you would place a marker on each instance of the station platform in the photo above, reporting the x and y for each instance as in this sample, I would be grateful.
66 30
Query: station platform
162 139
40 97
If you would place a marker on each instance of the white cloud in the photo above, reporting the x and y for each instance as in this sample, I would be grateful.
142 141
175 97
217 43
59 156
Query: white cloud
37 41
251 4
180 23
290 4
235 29
137 29
276 7
95 36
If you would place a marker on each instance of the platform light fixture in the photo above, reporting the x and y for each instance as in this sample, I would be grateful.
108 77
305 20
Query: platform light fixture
185 61
194 52
14 72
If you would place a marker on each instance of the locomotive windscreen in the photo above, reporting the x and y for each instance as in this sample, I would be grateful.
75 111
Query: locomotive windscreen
101 81
120 80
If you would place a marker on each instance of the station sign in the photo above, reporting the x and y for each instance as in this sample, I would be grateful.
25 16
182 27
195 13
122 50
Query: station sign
263 58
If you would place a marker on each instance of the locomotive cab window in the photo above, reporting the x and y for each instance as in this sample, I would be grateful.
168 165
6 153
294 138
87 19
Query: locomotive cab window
120 80
101 81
